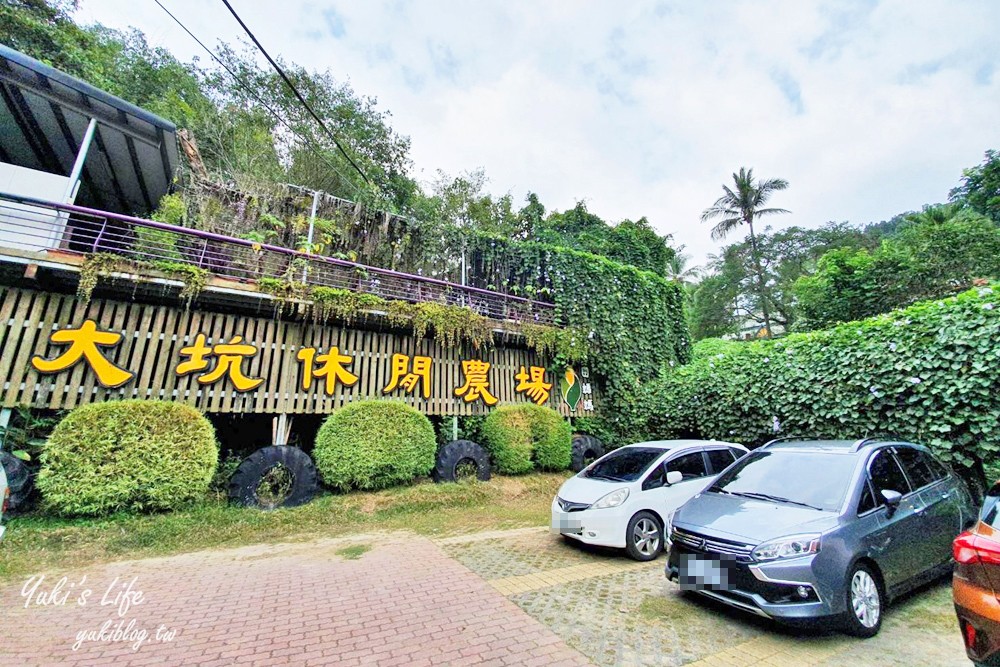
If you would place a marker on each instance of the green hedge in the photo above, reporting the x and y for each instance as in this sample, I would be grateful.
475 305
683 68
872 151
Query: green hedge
929 373
521 437
374 444
127 455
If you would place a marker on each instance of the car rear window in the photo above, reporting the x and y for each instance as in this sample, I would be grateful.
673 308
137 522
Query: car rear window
720 459
886 475
623 465
815 479
915 463
690 466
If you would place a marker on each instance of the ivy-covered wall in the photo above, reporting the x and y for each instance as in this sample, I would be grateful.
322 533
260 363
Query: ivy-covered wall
635 326
929 373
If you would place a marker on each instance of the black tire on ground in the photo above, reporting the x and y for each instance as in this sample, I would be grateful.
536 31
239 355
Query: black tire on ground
20 480
586 448
644 537
290 464
873 611
457 452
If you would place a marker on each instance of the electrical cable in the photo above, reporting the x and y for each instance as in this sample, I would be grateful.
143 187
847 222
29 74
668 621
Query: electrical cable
294 90
260 100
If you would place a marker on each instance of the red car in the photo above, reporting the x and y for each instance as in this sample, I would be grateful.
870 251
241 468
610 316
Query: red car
976 583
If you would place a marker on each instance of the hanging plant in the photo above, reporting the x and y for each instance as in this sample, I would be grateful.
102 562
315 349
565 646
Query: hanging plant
94 266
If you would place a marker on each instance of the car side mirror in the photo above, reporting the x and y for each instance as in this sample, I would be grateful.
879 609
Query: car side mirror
673 477
892 499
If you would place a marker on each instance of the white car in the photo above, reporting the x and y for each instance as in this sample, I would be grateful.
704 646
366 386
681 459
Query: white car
625 498
4 499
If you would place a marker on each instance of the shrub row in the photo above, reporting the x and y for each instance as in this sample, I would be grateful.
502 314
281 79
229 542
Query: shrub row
138 455
929 373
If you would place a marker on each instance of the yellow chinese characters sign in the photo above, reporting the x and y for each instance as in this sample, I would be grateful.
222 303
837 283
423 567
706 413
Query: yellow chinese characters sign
243 364
83 344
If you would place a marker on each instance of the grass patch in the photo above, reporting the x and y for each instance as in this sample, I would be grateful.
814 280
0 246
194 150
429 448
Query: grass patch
661 608
40 543
354 551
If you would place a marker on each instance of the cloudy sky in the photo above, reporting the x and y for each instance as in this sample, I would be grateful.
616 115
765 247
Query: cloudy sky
868 108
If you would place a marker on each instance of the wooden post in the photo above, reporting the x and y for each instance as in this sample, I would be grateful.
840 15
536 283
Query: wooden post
281 429
190 148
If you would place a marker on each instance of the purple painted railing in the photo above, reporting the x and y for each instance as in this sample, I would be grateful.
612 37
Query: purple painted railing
34 224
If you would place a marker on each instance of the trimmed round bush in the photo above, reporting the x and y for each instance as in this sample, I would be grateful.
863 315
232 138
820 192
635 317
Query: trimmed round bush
373 445
134 455
522 437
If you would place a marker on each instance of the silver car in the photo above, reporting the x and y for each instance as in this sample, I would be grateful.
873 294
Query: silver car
807 531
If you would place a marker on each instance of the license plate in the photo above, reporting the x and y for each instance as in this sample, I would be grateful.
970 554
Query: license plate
699 573
562 523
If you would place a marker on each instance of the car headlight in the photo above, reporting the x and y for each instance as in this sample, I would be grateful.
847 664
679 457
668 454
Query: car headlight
792 546
613 499
668 527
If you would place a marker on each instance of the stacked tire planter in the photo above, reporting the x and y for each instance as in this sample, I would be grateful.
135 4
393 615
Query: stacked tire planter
457 453
302 483
586 449
290 464
20 481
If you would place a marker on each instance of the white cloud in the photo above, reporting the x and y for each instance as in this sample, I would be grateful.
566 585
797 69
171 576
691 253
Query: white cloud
867 108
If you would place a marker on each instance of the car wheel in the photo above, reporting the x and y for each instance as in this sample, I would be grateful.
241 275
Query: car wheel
644 537
273 477
586 450
461 459
865 602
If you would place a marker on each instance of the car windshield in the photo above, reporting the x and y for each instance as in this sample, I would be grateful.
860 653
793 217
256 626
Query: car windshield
623 465
811 479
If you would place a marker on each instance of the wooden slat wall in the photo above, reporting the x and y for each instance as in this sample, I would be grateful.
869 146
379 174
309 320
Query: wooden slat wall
154 334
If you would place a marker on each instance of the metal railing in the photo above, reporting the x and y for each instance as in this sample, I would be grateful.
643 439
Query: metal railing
38 225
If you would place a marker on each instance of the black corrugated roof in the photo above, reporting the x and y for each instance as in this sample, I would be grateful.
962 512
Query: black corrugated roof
43 117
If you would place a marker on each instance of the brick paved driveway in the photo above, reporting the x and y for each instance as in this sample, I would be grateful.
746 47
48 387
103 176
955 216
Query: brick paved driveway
404 602
520 597
618 612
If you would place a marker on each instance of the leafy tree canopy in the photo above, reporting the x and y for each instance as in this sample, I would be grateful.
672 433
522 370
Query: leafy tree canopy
253 134
937 252
980 188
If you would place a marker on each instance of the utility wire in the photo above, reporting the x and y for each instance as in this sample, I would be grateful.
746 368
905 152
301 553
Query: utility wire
260 100
295 90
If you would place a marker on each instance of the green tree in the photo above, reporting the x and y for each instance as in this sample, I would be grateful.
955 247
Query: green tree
784 257
935 253
629 242
310 157
742 206
121 63
679 269
531 215
980 188
713 309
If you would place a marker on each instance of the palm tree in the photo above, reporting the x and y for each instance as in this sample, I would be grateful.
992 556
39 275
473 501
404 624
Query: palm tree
678 270
741 206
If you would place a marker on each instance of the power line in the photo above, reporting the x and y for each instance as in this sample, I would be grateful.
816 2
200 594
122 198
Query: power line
260 100
295 90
